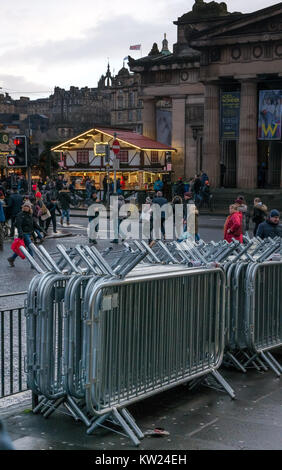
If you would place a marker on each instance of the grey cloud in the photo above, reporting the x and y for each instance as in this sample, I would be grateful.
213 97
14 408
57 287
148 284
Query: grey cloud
109 38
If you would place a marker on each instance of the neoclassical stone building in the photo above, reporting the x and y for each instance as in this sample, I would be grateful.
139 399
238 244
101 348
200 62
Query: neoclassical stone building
220 92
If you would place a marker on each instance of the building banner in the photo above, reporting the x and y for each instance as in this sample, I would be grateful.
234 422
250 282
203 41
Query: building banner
269 115
229 115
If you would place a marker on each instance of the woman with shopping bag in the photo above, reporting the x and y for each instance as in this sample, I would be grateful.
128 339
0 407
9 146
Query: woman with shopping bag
25 226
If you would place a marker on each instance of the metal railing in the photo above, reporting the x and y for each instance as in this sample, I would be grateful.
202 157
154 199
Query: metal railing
12 348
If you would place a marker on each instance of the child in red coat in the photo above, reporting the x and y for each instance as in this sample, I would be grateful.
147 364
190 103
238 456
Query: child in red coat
233 225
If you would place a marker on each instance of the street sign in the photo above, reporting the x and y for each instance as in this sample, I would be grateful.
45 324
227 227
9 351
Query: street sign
11 161
116 147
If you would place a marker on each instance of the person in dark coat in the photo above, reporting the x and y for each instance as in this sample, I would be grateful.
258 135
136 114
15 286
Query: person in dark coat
15 202
161 201
271 227
26 226
259 214
52 206
180 188
65 200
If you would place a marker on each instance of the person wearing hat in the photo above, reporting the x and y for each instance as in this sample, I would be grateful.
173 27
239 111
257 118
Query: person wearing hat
271 227
243 210
14 206
259 214
179 189
233 225
26 226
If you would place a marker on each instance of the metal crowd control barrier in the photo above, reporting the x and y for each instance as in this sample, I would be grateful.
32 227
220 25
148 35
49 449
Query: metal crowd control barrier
237 260
102 334
174 334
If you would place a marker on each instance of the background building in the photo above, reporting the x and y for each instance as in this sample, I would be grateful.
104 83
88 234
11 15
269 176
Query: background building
223 80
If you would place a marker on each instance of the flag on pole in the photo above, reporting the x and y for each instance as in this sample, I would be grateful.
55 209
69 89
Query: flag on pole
136 47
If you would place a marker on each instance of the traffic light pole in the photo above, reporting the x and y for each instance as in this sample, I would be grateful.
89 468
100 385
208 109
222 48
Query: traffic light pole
28 157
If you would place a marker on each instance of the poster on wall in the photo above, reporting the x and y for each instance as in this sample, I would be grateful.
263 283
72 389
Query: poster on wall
164 123
229 115
269 115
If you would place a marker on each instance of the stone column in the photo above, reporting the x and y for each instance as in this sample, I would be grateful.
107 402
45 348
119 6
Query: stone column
247 153
178 135
149 117
211 151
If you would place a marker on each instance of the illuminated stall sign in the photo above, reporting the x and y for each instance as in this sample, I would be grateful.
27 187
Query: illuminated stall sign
229 115
269 115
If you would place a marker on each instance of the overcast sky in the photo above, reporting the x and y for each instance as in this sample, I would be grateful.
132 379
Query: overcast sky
68 42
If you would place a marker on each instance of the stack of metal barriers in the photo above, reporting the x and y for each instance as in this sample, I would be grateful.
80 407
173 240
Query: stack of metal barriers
106 331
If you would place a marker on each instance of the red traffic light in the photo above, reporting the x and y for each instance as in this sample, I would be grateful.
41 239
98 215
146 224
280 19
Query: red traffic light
17 141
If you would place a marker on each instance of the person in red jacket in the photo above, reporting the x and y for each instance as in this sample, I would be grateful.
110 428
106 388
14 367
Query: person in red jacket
233 225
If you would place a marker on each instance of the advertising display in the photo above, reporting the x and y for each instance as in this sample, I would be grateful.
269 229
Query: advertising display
269 115
229 115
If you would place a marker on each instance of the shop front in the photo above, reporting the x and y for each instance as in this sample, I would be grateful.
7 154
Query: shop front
139 163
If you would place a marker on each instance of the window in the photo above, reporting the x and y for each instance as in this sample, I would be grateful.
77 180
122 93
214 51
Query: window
123 156
130 115
139 115
154 157
131 99
83 156
120 101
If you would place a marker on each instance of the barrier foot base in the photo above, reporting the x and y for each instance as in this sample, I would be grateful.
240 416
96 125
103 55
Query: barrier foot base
116 418
251 360
235 362
270 363
277 364
41 403
132 423
54 406
77 411
222 382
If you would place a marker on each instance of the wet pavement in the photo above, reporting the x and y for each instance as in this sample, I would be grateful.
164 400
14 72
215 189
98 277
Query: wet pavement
201 419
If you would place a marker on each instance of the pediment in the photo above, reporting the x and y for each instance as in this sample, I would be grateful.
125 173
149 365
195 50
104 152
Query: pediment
266 21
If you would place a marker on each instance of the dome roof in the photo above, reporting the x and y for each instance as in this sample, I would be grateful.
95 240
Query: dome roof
124 71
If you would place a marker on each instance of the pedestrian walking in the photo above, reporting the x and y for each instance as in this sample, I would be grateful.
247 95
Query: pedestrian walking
271 227
65 200
2 222
179 188
52 206
121 202
204 178
259 213
233 225
15 202
26 226
146 219
93 231
161 201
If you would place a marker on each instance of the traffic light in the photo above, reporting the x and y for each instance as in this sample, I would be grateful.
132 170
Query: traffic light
33 154
20 155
